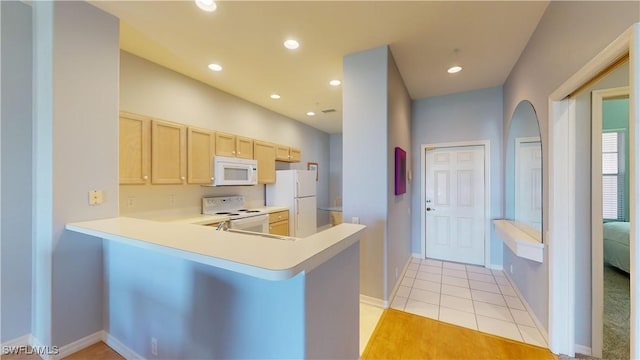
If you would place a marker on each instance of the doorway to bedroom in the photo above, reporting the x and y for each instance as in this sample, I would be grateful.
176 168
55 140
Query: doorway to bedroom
610 222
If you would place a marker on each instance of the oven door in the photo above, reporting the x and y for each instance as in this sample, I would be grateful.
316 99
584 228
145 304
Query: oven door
259 223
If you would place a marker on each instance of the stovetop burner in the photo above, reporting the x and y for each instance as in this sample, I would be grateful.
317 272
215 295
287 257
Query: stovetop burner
226 213
232 206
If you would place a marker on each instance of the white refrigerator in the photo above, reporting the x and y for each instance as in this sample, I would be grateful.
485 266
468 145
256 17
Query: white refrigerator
296 189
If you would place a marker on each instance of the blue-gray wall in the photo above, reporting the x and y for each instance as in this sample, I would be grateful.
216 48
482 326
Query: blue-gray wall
399 206
75 150
15 253
364 167
568 36
474 115
376 118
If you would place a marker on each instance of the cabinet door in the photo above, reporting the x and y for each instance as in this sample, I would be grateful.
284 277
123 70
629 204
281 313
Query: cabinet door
244 147
295 155
282 153
279 228
225 144
200 152
265 153
134 142
168 153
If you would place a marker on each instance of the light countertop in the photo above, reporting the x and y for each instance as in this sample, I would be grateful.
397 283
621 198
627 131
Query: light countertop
257 256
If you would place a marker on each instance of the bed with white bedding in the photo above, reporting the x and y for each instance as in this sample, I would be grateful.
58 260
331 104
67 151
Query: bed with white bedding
616 244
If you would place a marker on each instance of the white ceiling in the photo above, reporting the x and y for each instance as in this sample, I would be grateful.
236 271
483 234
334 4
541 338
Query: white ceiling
246 37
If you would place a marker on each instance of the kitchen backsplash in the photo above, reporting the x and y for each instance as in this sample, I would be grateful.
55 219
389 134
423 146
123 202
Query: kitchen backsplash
157 201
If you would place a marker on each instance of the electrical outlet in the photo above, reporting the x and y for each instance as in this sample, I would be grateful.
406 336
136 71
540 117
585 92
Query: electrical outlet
95 197
355 220
510 268
172 199
131 201
154 346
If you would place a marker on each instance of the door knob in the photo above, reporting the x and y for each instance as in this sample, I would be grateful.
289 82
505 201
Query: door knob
430 209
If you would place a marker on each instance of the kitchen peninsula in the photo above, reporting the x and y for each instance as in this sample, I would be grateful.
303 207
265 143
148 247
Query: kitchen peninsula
196 292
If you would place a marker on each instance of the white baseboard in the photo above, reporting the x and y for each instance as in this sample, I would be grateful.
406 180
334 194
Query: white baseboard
399 281
374 301
495 267
39 346
21 341
79 344
582 349
121 348
46 352
539 325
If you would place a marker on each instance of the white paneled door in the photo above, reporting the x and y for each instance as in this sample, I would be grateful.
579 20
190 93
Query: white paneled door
455 204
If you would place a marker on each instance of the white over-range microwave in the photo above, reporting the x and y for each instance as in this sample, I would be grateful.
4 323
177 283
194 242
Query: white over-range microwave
233 171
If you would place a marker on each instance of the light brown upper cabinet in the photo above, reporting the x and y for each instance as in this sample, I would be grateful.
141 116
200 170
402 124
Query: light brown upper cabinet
200 152
287 154
168 153
134 144
244 147
265 153
234 146
295 155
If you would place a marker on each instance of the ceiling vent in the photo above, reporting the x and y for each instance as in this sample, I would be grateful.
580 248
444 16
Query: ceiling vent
326 111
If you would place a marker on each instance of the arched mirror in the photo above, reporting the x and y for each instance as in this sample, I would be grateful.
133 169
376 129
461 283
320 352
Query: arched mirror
523 171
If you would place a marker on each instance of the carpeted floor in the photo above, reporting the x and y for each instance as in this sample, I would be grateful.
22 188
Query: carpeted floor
616 314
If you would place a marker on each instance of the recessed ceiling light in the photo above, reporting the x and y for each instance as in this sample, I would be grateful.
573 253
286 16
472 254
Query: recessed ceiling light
215 67
291 44
275 96
207 5
335 82
454 69
310 113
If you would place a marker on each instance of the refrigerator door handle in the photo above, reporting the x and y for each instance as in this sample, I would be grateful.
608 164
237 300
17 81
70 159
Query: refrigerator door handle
297 207
297 188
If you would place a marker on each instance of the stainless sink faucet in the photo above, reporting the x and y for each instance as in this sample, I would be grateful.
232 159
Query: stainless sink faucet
222 226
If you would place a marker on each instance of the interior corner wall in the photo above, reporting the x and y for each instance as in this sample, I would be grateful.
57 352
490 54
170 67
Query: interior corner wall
398 248
365 160
564 41
469 116
16 142
75 150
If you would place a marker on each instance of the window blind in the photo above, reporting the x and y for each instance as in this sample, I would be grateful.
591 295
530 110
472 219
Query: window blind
613 196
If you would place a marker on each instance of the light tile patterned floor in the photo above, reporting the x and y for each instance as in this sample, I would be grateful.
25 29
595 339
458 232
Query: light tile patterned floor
466 295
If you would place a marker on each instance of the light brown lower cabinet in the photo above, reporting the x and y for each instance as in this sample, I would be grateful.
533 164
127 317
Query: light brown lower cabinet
279 223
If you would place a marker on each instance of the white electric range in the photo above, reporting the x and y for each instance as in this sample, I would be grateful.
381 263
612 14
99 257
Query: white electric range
240 218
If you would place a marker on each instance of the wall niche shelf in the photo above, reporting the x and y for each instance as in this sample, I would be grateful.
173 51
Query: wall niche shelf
524 241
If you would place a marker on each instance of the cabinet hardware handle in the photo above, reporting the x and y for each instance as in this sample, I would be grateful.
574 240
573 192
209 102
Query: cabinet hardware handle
182 178
145 177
